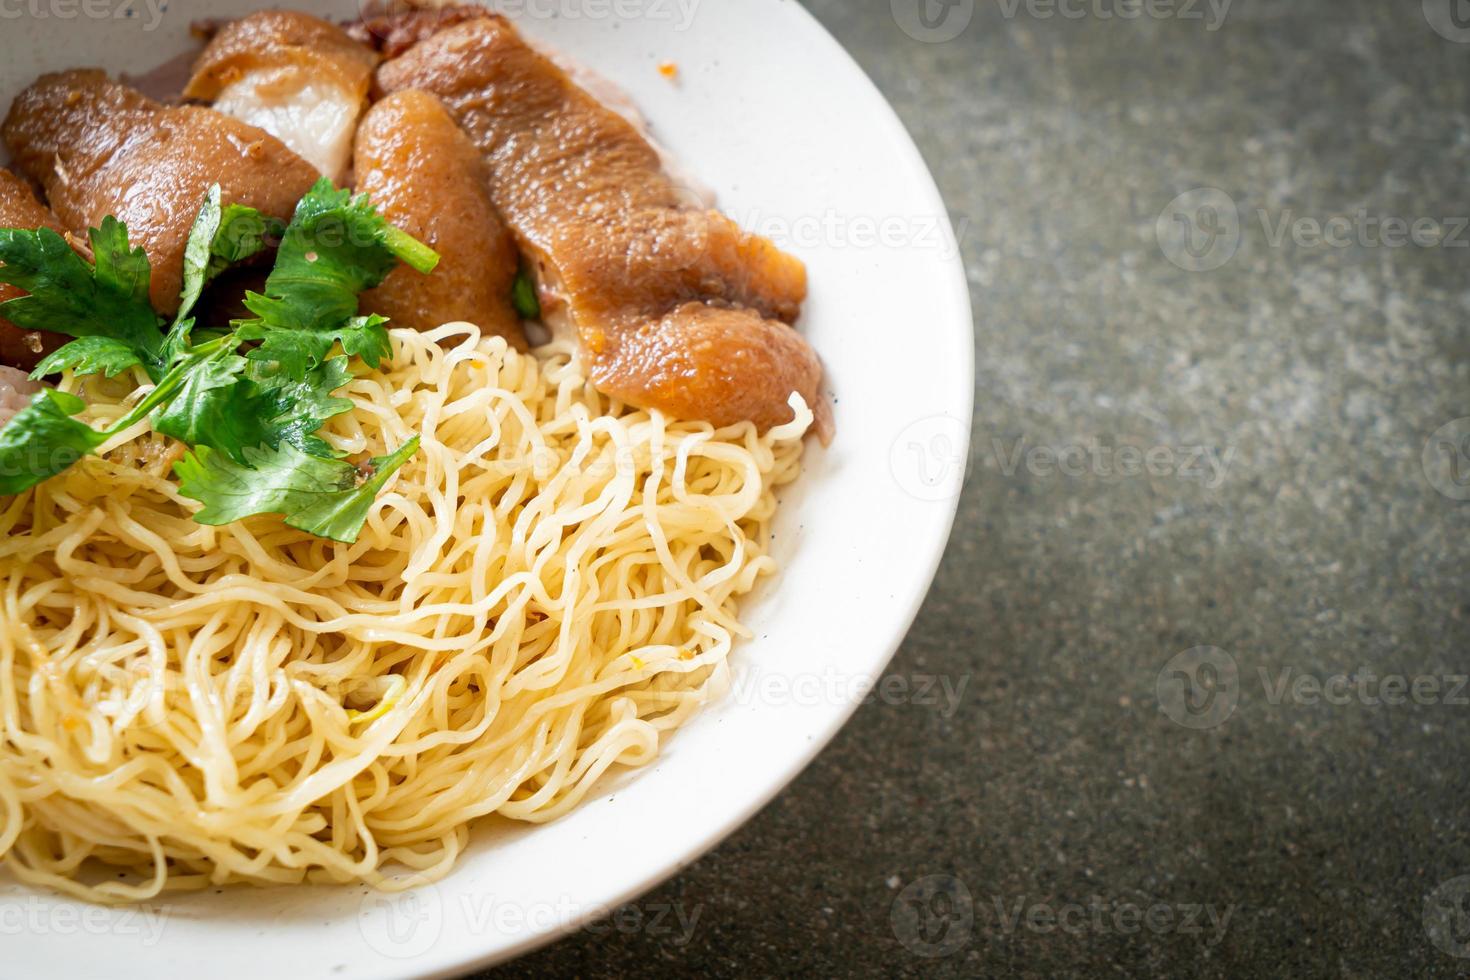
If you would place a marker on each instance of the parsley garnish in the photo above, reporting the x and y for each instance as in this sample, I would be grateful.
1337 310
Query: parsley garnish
104 302
523 297
249 400
325 497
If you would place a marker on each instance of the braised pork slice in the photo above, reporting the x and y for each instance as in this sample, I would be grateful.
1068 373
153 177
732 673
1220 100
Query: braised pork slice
425 176
295 76
675 306
16 391
19 208
395 32
100 148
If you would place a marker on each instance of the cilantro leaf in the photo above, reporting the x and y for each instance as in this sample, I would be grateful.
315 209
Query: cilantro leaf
243 233
43 439
180 338
220 238
232 405
523 297
67 295
300 350
336 247
123 270
205 411
90 355
250 415
325 497
295 409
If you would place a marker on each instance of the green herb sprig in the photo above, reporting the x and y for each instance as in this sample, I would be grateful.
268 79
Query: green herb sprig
249 400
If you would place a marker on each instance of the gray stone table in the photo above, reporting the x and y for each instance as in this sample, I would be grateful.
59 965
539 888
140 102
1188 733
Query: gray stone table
1204 617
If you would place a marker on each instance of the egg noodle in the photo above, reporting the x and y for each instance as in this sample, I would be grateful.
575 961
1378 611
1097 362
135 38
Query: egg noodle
544 591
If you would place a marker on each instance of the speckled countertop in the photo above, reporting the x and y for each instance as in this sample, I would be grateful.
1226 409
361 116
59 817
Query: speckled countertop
1199 712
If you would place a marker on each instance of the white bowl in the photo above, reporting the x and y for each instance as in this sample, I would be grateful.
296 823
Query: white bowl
773 115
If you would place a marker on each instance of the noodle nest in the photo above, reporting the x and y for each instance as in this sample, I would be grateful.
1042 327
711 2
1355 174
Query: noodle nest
544 591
